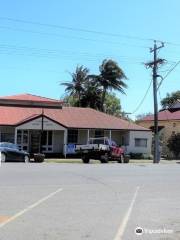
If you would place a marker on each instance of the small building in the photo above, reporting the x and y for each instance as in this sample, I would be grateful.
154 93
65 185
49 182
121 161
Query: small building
168 124
23 117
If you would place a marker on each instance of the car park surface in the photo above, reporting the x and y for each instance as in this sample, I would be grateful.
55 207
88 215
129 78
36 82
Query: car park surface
75 201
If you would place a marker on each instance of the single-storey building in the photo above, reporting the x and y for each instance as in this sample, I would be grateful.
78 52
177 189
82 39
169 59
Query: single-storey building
23 117
168 124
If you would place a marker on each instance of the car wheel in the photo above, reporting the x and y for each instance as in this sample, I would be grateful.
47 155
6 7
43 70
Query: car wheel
26 158
3 157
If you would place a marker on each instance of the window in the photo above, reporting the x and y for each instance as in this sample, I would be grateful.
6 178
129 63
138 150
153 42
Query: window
7 137
140 142
72 136
99 133
22 139
47 141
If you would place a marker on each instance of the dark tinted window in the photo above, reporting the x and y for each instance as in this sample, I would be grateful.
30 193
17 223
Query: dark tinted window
72 136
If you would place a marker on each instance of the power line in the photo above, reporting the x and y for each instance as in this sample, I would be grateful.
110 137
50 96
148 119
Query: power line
168 74
143 99
75 29
4 48
83 30
70 37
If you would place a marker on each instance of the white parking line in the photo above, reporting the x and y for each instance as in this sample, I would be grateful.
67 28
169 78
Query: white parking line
123 225
19 214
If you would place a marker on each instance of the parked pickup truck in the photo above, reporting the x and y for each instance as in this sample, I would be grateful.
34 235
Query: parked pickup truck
102 149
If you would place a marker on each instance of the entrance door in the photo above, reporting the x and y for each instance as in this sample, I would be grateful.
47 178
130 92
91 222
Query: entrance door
35 142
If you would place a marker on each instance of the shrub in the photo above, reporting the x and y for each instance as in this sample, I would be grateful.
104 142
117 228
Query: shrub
174 144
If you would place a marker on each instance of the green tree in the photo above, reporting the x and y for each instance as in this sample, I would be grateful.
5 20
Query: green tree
91 96
71 101
170 99
174 144
112 104
75 88
111 77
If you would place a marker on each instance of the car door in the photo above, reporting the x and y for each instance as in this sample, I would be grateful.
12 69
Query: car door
13 154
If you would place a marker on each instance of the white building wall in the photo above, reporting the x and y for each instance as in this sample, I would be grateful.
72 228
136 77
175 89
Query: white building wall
82 136
139 134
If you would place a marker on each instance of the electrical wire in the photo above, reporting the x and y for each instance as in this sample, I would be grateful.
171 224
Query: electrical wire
56 53
60 51
143 99
168 74
56 26
71 37
74 29
167 118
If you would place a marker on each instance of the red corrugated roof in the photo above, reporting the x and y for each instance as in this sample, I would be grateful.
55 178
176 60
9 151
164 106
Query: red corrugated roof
70 117
164 115
30 97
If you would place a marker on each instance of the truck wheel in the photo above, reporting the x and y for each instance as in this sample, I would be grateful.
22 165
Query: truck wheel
104 158
104 161
85 159
126 159
121 160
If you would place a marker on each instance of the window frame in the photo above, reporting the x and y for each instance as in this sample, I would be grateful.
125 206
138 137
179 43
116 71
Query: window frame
140 144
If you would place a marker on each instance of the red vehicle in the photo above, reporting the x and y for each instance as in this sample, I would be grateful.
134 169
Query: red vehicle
102 149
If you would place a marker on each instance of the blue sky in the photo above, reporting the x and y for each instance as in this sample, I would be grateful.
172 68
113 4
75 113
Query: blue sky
34 58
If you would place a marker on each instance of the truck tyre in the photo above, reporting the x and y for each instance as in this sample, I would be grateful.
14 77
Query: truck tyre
85 159
104 158
126 159
121 159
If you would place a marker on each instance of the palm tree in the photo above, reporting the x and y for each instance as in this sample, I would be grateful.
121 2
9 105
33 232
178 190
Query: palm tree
92 93
111 77
75 88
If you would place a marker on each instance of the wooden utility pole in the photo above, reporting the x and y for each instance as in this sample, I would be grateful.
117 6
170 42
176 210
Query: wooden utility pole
154 65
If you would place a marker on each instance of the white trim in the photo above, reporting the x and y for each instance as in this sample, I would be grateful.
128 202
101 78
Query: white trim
110 134
36 124
15 136
87 135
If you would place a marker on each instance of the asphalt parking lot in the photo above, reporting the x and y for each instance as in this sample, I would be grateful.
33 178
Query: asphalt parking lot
52 201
